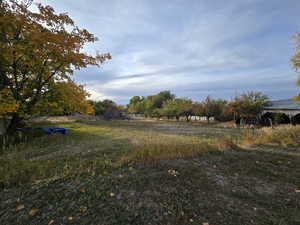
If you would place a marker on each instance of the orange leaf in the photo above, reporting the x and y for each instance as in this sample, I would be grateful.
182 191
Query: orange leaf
82 190
33 212
20 207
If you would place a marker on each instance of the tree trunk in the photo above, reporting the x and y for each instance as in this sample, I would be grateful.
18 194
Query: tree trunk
3 126
187 118
14 124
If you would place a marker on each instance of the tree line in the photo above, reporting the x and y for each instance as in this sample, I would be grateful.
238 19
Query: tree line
165 104
100 108
41 49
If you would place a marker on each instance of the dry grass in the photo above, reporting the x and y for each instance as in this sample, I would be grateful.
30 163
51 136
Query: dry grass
117 142
94 175
227 144
285 135
104 143
157 147
111 144
64 119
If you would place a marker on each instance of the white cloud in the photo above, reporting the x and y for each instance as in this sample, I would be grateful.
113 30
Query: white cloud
177 45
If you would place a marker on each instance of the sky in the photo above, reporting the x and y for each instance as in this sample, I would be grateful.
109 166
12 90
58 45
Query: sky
194 48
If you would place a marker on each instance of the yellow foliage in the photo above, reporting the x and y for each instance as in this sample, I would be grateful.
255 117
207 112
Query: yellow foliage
120 107
89 109
64 98
297 98
7 103
37 49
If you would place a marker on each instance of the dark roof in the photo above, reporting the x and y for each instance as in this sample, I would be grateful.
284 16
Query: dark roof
288 104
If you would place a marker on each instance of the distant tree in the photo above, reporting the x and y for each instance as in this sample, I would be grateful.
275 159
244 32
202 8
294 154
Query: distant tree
198 109
178 107
135 99
101 107
217 108
120 107
249 104
186 106
160 98
136 105
226 113
36 50
151 105
209 108
171 108
296 62
154 103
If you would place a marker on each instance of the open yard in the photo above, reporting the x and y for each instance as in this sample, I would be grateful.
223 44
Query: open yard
150 172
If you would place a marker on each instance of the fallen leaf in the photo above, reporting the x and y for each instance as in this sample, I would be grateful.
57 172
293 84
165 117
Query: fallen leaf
51 222
33 212
70 218
205 223
20 207
297 191
83 209
82 190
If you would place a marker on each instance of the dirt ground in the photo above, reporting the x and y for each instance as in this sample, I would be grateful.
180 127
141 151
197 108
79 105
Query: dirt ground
258 186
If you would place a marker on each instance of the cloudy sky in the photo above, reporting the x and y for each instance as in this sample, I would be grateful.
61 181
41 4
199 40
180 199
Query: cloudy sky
193 48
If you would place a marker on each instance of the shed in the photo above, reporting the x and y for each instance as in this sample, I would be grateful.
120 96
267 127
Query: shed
288 108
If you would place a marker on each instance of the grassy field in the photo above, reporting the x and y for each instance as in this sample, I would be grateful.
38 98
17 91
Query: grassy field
153 172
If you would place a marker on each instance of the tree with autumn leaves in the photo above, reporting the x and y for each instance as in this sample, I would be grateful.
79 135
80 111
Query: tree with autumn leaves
296 62
64 98
39 51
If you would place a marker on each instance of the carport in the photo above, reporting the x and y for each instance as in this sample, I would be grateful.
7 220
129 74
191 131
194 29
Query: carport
285 111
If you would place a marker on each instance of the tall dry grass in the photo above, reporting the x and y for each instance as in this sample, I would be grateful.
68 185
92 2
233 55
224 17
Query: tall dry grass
284 135
158 147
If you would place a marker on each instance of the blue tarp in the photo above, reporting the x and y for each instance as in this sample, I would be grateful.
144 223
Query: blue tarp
53 130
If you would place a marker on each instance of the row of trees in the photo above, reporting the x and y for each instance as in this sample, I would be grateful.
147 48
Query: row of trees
166 104
40 50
